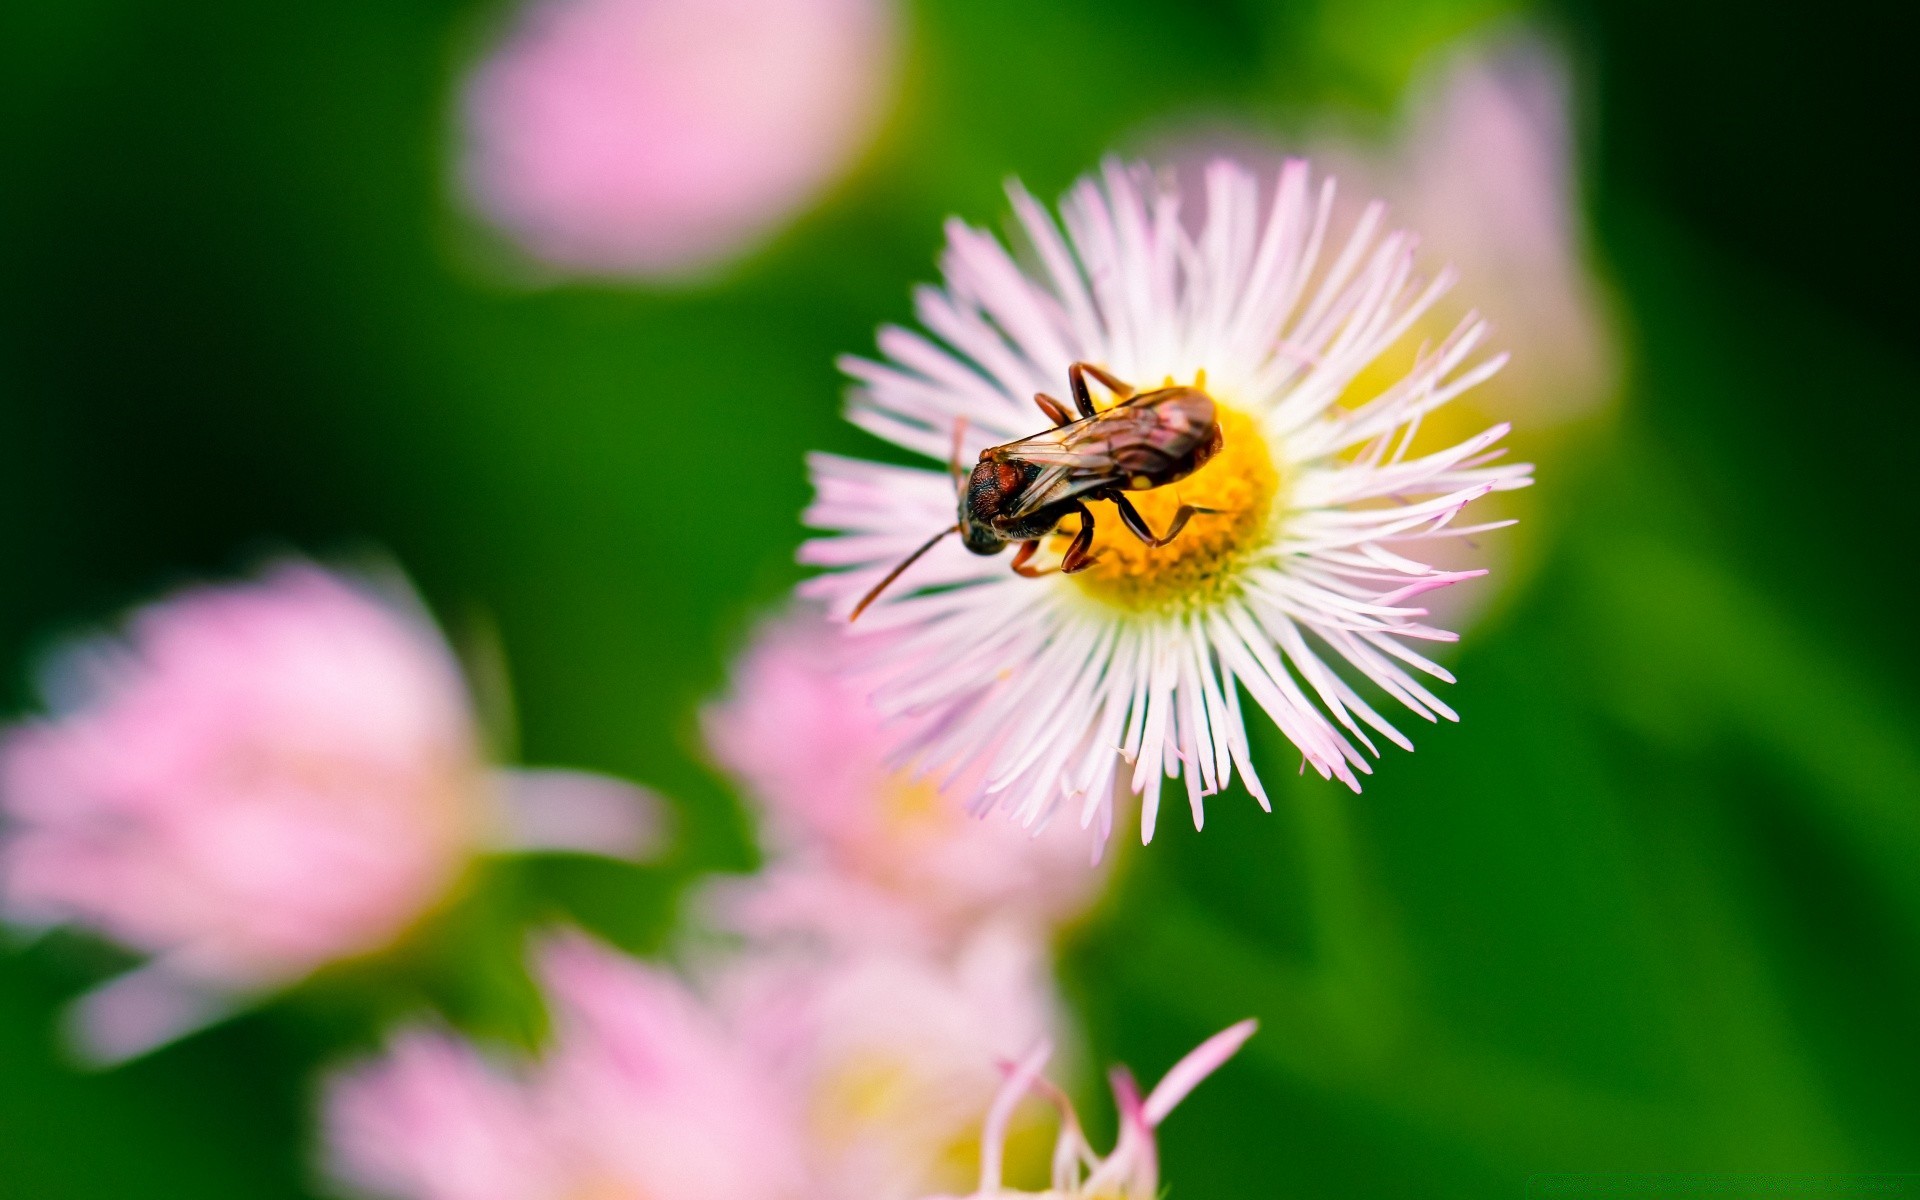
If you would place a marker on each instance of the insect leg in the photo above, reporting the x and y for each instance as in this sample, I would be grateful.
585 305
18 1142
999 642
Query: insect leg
1077 375
1137 524
1120 390
1056 411
1019 563
1078 556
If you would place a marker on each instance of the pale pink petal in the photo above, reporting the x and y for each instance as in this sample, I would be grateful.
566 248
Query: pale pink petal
993 1135
550 809
139 1012
1131 1171
1202 1061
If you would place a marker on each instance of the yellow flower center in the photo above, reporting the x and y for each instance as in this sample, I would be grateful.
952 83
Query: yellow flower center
913 808
874 1099
1204 562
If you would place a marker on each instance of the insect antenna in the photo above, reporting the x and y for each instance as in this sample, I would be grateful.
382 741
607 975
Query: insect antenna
894 574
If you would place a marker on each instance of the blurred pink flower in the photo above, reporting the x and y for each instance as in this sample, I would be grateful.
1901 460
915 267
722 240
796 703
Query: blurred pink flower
645 1092
861 1077
434 1120
654 1092
258 780
860 850
1132 1170
892 1056
664 137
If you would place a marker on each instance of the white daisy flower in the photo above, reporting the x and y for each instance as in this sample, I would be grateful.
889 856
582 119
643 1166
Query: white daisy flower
1296 575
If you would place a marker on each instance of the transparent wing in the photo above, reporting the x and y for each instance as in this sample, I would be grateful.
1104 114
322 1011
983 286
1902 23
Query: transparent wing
1143 438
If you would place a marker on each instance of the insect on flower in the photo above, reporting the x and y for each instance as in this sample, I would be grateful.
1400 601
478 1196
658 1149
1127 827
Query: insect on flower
1021 491
1332 480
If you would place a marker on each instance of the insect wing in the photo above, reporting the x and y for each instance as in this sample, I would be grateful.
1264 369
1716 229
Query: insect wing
1124 441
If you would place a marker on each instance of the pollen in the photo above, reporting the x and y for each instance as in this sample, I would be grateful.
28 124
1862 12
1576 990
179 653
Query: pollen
1204 563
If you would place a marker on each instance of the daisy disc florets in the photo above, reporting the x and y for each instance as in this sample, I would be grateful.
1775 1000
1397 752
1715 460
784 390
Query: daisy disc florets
1295 583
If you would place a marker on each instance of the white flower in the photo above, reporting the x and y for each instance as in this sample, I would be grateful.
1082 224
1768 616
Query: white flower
1300 581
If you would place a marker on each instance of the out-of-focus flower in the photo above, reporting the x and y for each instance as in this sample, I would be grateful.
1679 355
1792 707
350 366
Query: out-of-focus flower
892 1055
434 1120
258 780
860 1077
1132 1170
655 1092
644 1092
1302 564
861 851
663 137
895 946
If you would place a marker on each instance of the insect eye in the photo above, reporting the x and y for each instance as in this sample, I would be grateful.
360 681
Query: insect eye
981 538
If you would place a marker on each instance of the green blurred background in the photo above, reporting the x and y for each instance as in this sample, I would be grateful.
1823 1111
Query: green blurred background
1652 907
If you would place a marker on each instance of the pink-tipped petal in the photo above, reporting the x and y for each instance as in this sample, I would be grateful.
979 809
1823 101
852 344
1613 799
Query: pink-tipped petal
1204 1060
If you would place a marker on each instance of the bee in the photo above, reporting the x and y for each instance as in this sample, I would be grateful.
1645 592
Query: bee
1021 491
